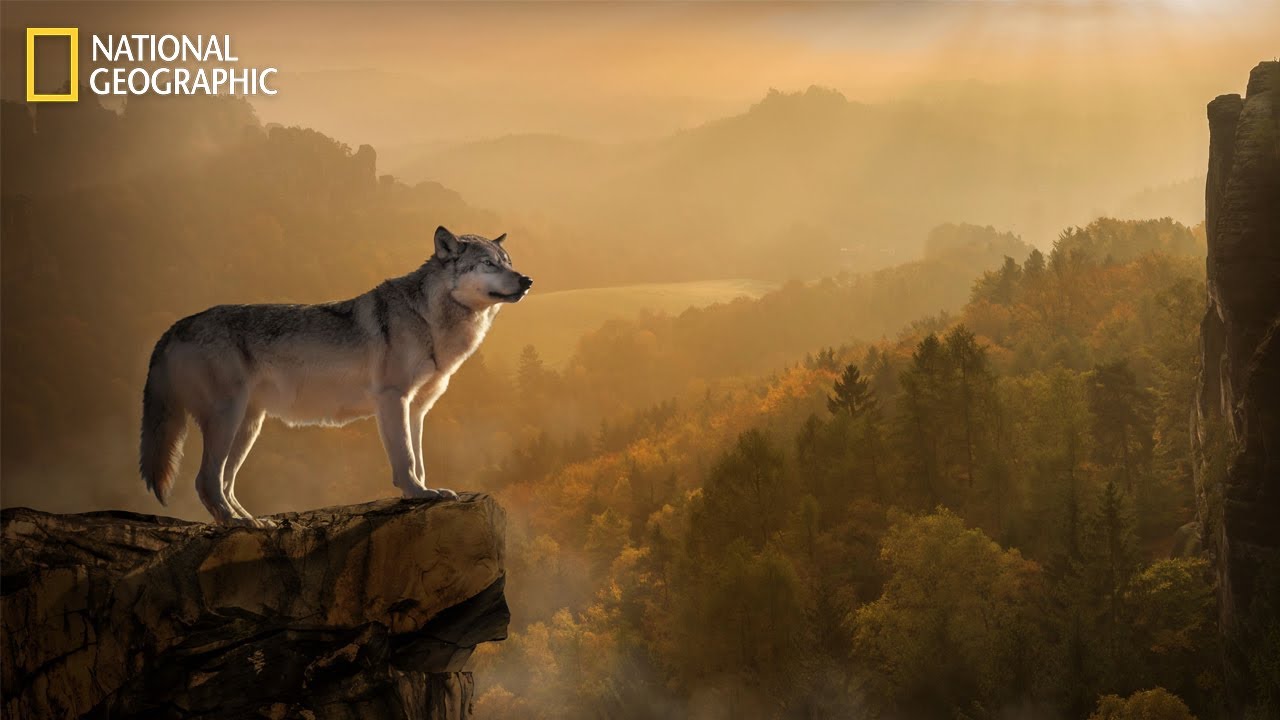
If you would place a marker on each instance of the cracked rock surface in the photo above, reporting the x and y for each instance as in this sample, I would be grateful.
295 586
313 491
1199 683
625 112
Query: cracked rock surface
364 611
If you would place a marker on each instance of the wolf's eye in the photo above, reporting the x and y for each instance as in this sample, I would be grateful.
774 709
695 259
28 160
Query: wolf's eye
488 263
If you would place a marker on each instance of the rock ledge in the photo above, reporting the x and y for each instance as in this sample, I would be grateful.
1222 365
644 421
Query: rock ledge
365 611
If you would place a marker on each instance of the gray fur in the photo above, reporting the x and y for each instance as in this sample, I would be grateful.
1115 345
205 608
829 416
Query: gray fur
388 353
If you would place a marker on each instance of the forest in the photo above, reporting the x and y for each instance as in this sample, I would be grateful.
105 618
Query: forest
964 521
959 486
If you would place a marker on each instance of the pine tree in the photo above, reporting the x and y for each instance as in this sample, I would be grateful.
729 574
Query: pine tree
853 394
530 373
855 400
974 389
1109 564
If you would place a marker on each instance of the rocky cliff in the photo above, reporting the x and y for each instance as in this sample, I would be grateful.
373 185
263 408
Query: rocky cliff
1236 421
368 611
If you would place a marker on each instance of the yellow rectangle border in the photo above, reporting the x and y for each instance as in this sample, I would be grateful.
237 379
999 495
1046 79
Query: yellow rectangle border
74 81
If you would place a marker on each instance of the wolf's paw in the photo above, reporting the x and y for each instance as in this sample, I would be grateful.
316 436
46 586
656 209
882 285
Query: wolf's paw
266 523
446 494
422 493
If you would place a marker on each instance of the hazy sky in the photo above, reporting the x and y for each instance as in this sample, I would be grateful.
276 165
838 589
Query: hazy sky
399 73
1067 85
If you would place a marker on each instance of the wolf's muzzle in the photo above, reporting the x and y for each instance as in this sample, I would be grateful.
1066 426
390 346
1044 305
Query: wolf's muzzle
525 282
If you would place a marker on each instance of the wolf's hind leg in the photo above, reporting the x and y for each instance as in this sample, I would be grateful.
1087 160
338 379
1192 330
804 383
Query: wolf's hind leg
219 430
246 435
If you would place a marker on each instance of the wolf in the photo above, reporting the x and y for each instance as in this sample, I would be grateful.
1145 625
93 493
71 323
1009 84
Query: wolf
388 353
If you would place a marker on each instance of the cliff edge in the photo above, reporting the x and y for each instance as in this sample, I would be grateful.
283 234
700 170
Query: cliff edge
366 611
1236 421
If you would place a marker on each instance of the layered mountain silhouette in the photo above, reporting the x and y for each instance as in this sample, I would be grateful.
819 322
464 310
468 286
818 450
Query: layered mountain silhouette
811 179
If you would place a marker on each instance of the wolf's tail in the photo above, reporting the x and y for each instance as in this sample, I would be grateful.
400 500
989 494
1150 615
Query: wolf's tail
164 427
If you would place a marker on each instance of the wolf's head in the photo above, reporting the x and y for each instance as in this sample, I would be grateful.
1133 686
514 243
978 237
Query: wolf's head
480 270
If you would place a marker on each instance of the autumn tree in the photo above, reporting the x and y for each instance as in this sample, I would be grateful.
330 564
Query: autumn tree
1157 704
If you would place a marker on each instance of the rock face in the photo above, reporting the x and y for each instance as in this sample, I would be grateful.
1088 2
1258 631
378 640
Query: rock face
368 611
1236 422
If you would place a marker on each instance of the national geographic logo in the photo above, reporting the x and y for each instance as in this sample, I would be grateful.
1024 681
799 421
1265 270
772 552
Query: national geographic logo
73 37
150 65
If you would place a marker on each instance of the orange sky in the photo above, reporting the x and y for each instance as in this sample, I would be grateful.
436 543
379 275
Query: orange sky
395 73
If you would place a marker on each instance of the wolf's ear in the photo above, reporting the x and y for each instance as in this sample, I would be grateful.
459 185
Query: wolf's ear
447 244
498 240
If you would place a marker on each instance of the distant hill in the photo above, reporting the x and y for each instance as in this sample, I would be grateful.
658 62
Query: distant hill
803 183
1182 200
505 171
554 322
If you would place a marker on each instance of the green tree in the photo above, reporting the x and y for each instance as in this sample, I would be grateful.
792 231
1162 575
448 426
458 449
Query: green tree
852 394
949 410
743 618
951 593
1049 421
1093 611
745 496
1168 495
1174 625
973 395
855 401
879 370
1033 268
532 375
1121 421
999 287
925 389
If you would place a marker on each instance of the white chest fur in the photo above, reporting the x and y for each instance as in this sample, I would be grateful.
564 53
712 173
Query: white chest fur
456 344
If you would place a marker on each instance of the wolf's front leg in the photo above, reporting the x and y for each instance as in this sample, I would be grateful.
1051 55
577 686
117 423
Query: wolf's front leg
394 426
416 416
419 416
